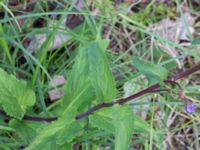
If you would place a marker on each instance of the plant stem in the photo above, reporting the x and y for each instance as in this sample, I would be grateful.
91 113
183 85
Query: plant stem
32 118
121 101
139 94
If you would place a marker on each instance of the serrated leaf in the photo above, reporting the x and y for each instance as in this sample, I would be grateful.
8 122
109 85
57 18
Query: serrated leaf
123 123
25 130
154 72
90 79
57 133
103 120
47 139
92 69
15 95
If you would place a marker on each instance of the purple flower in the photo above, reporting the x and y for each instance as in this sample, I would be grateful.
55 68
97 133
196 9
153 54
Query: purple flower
190 108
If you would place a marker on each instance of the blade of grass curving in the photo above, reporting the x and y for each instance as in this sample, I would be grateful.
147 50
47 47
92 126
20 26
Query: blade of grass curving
4 45
32 15
8 10
141 28
27 53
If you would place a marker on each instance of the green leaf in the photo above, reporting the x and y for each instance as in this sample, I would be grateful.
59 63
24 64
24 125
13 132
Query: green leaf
89 80
25 130
5 128
123 124
64 127
72 130
196 41
57 133
92 69
154 72
99 71
103 120
15 95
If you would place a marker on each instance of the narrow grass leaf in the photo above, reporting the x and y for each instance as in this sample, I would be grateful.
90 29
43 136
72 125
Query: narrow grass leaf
4 45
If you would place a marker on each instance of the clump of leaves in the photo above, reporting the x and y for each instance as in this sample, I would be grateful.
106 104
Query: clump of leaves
90 82
158 11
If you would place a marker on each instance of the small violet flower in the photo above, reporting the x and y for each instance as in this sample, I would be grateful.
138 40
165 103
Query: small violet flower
190 108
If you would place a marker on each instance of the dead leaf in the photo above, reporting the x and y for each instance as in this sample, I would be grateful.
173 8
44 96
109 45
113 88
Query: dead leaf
178 31
55 94
134 86
61 36
57 81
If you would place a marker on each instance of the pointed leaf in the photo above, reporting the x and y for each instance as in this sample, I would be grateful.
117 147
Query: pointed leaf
92 69
154 72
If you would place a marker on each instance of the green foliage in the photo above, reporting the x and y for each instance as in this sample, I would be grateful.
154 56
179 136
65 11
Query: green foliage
57 133
16 96
83 59
5 128
120 120
158 11
196 41
123 122
154 72
102 120
106 8
4 45
26 131
91 70
90 79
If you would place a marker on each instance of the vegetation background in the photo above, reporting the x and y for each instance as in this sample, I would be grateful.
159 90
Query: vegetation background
123 62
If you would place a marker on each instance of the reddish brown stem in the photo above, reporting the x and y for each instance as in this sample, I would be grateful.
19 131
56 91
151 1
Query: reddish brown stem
139 94
31 118
119 101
